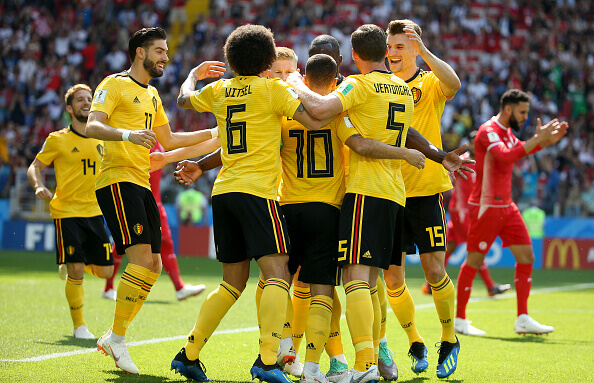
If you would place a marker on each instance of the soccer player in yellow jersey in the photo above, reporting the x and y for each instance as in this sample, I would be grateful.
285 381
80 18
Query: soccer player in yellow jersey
128 115
246 217
424 215
380 106
82 242
284 65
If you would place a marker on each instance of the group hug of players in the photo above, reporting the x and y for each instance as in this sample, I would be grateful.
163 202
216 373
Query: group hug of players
349 204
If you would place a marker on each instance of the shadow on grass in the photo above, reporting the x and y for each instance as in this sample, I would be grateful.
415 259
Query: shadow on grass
535 339
417 379
72 341
156 302
122 377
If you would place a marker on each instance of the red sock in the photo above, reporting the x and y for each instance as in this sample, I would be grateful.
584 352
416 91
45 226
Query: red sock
169 261
117 260
523 282
486 276
447 258
464 285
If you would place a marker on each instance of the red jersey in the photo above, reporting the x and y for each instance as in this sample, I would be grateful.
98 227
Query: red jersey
462 189
155 177
496 149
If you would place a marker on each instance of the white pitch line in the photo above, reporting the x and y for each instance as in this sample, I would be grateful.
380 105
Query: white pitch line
545 290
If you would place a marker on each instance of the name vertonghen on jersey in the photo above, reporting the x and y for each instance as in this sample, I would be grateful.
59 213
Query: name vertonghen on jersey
394 89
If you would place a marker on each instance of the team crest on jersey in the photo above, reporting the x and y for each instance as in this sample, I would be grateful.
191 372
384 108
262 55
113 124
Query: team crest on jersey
155 103
70 250
100 149
416 92
138 229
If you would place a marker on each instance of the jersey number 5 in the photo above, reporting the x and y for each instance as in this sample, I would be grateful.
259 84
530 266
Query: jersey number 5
393 125
236 131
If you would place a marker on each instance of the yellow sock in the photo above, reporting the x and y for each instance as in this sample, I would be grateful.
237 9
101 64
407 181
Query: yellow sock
273 310
334 344
212 311
359 314
75 294
147 285
381 293
288 326
444 296
127 296
404 308
89 269
301 303
377 318
317 327
259 290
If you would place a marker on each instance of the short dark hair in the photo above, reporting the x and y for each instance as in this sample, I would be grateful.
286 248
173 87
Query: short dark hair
513 96
144 38
250 50
396 27
369 42
318 42
321 69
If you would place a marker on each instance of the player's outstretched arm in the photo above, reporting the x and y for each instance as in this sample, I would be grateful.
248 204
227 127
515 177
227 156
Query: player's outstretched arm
189 171
448 79
318 106
160 159
371 148
97 128
202 71
171 140
34 176
451 161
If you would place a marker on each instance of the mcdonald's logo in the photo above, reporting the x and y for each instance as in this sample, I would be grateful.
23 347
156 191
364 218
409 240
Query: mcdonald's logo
561 249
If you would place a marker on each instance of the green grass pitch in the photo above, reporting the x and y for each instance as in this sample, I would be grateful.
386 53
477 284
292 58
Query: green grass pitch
36 343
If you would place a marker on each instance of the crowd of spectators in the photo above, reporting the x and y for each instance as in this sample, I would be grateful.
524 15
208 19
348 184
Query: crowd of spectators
543 47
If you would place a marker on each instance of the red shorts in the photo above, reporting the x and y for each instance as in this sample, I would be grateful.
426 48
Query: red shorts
458 227
505 222
166 238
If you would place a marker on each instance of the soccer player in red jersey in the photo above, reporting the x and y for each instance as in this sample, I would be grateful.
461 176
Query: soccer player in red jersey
458 223
168 258
492 211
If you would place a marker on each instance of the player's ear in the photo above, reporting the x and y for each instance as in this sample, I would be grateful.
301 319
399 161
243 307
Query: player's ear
69 109
140 53
334 82
339 61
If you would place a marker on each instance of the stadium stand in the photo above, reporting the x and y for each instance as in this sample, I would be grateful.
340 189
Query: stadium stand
45 47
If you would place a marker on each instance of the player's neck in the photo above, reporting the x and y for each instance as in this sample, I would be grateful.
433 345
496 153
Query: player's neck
138 73
408 74
369 66
78 126
502 120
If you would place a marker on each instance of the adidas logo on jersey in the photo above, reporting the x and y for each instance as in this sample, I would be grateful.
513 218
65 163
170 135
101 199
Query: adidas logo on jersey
136 100
310 346
75 150
367 254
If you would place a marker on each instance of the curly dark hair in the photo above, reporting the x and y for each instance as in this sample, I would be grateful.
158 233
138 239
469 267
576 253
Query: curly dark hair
250 50
320 69
513 96
369 41
144 38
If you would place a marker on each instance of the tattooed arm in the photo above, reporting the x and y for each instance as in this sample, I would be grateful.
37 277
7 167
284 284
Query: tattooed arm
202 71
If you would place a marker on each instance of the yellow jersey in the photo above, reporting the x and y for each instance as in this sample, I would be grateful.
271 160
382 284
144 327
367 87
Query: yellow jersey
76 161
312 164
429 103
249 110
133 106
380 106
